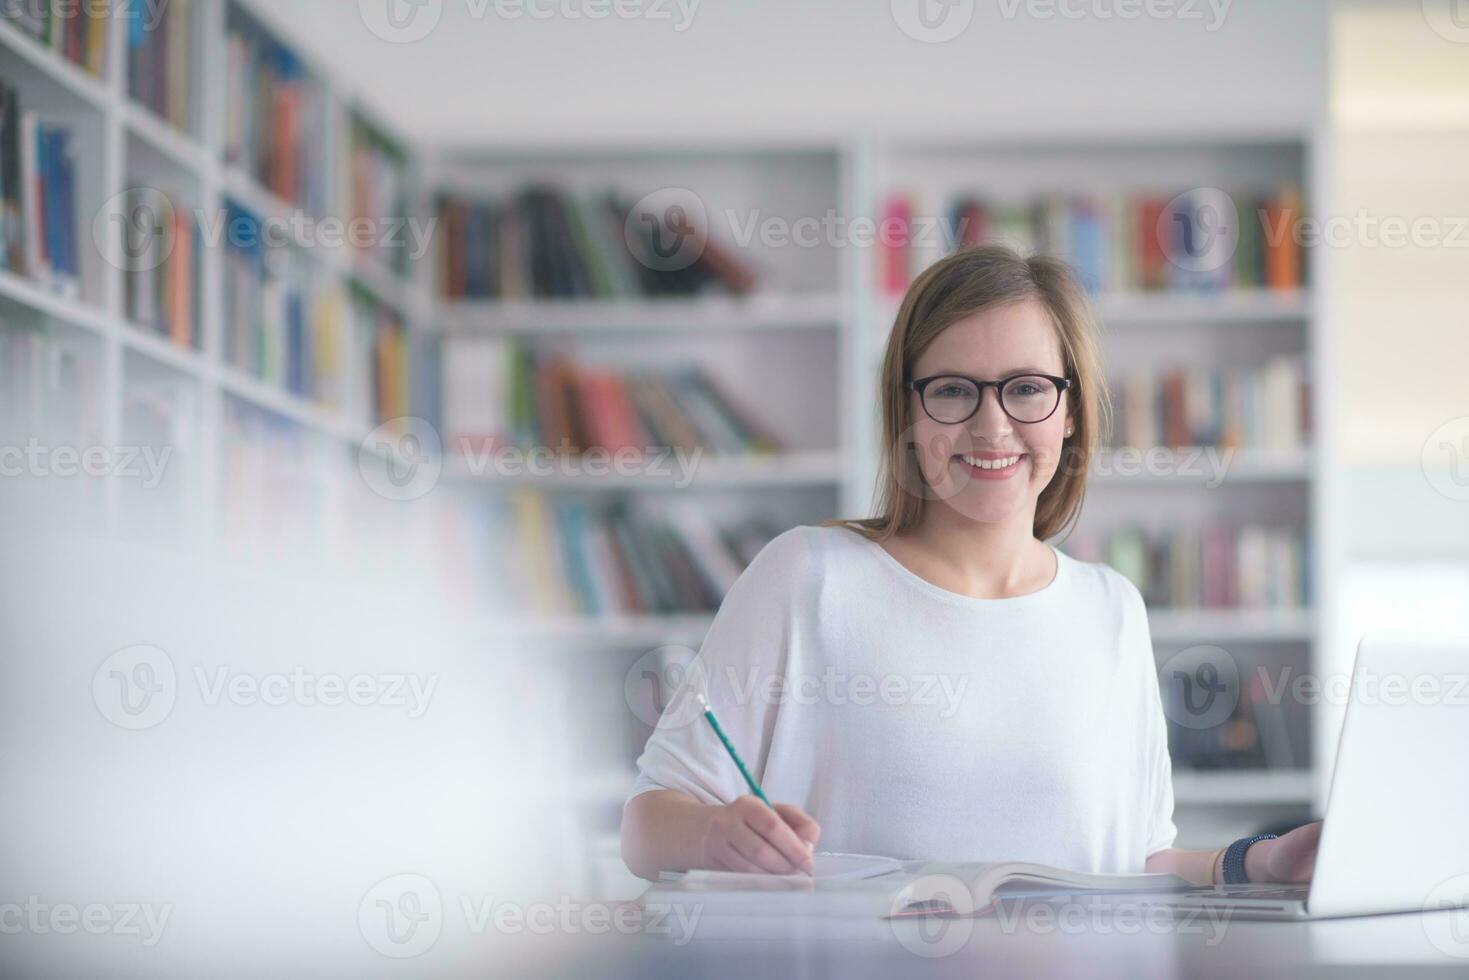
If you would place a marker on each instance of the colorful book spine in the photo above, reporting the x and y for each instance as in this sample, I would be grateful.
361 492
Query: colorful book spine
1251 408
1215 567
38 212
275 116
160 50
1199 241
497 392
568 557
76 31
546 243
377 191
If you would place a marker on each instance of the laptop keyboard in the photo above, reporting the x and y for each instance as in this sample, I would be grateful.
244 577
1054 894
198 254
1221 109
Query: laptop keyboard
1293 892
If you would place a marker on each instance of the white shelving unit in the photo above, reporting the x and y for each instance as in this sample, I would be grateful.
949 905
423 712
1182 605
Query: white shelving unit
823 321
138 148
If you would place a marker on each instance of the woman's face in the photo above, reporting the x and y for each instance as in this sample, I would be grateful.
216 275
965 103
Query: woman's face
998 343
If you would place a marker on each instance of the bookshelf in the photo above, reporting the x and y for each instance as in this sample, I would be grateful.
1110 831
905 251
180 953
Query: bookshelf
122 144
807 336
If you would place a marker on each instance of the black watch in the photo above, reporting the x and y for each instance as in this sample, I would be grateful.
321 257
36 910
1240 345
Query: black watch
1234 858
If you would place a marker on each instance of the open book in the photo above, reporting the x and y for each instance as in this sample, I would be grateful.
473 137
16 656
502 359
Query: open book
861 884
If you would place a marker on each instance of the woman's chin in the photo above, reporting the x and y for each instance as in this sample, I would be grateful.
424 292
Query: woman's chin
987 503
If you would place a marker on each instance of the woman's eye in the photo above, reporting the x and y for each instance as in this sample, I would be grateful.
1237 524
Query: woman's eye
951 391
1025 389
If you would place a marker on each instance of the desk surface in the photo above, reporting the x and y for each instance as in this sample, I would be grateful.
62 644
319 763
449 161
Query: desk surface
1066 944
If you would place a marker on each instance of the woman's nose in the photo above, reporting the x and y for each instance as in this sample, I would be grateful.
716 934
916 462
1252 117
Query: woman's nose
990 421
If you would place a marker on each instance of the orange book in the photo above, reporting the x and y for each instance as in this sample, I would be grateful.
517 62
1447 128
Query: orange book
283 167
181 326
1282 251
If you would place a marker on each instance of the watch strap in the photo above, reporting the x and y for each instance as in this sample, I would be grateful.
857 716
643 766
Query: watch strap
1234 858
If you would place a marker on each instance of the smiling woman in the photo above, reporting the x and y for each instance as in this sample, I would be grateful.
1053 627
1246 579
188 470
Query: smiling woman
1027 325
1055 749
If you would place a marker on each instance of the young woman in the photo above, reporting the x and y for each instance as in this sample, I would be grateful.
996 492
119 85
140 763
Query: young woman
938 681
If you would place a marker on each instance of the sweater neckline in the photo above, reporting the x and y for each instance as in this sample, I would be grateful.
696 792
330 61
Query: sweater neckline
958 598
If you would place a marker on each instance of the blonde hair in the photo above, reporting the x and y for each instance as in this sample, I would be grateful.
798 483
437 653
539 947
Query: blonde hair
971 281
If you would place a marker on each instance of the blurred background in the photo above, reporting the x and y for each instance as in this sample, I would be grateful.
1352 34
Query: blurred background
391 390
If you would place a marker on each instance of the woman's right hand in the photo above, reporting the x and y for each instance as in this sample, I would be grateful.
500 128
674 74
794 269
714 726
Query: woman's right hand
747 835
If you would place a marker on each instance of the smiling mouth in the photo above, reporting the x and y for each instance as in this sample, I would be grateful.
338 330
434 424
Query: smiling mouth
990 462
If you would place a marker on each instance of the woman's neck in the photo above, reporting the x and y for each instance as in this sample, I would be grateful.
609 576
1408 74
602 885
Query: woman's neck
982 560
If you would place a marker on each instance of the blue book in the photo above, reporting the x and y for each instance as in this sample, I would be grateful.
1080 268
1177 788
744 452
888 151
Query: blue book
1086 245
65 162
574 547
51 198
295 345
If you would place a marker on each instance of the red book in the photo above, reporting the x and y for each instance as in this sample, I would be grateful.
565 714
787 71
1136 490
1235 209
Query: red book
1152 258
894 236
1175 415
625 428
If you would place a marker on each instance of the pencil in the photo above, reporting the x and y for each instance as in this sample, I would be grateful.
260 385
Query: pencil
714 724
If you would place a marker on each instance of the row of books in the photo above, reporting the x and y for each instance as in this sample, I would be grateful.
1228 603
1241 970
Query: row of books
1256 735
1117 242
77 31
379 190
162 255
1251 408
499 392
546 243
275 118
405 377
562 557
38 223
160 51
1216 567
280 324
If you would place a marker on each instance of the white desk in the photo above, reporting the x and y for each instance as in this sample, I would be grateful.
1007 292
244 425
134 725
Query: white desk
1093 946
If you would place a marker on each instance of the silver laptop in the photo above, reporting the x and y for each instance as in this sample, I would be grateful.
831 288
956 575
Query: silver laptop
1393 838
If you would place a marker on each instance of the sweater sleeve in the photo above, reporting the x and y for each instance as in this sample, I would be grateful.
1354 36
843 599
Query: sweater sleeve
740 668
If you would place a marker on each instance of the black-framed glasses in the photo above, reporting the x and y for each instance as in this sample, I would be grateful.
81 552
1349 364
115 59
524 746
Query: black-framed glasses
952 398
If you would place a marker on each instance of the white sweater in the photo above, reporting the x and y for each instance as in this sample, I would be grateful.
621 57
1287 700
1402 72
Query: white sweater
916 722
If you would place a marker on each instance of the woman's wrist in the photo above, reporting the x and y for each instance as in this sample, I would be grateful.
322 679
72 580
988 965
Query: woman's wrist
1257 861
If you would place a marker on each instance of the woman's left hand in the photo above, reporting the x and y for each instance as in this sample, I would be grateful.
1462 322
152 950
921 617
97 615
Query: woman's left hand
1288 858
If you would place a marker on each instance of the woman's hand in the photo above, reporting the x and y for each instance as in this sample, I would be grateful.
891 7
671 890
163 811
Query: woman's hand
747 835
1288 858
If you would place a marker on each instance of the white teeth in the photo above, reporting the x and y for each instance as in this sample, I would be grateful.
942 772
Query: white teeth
990 464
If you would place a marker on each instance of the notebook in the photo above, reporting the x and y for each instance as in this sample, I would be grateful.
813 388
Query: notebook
865 884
